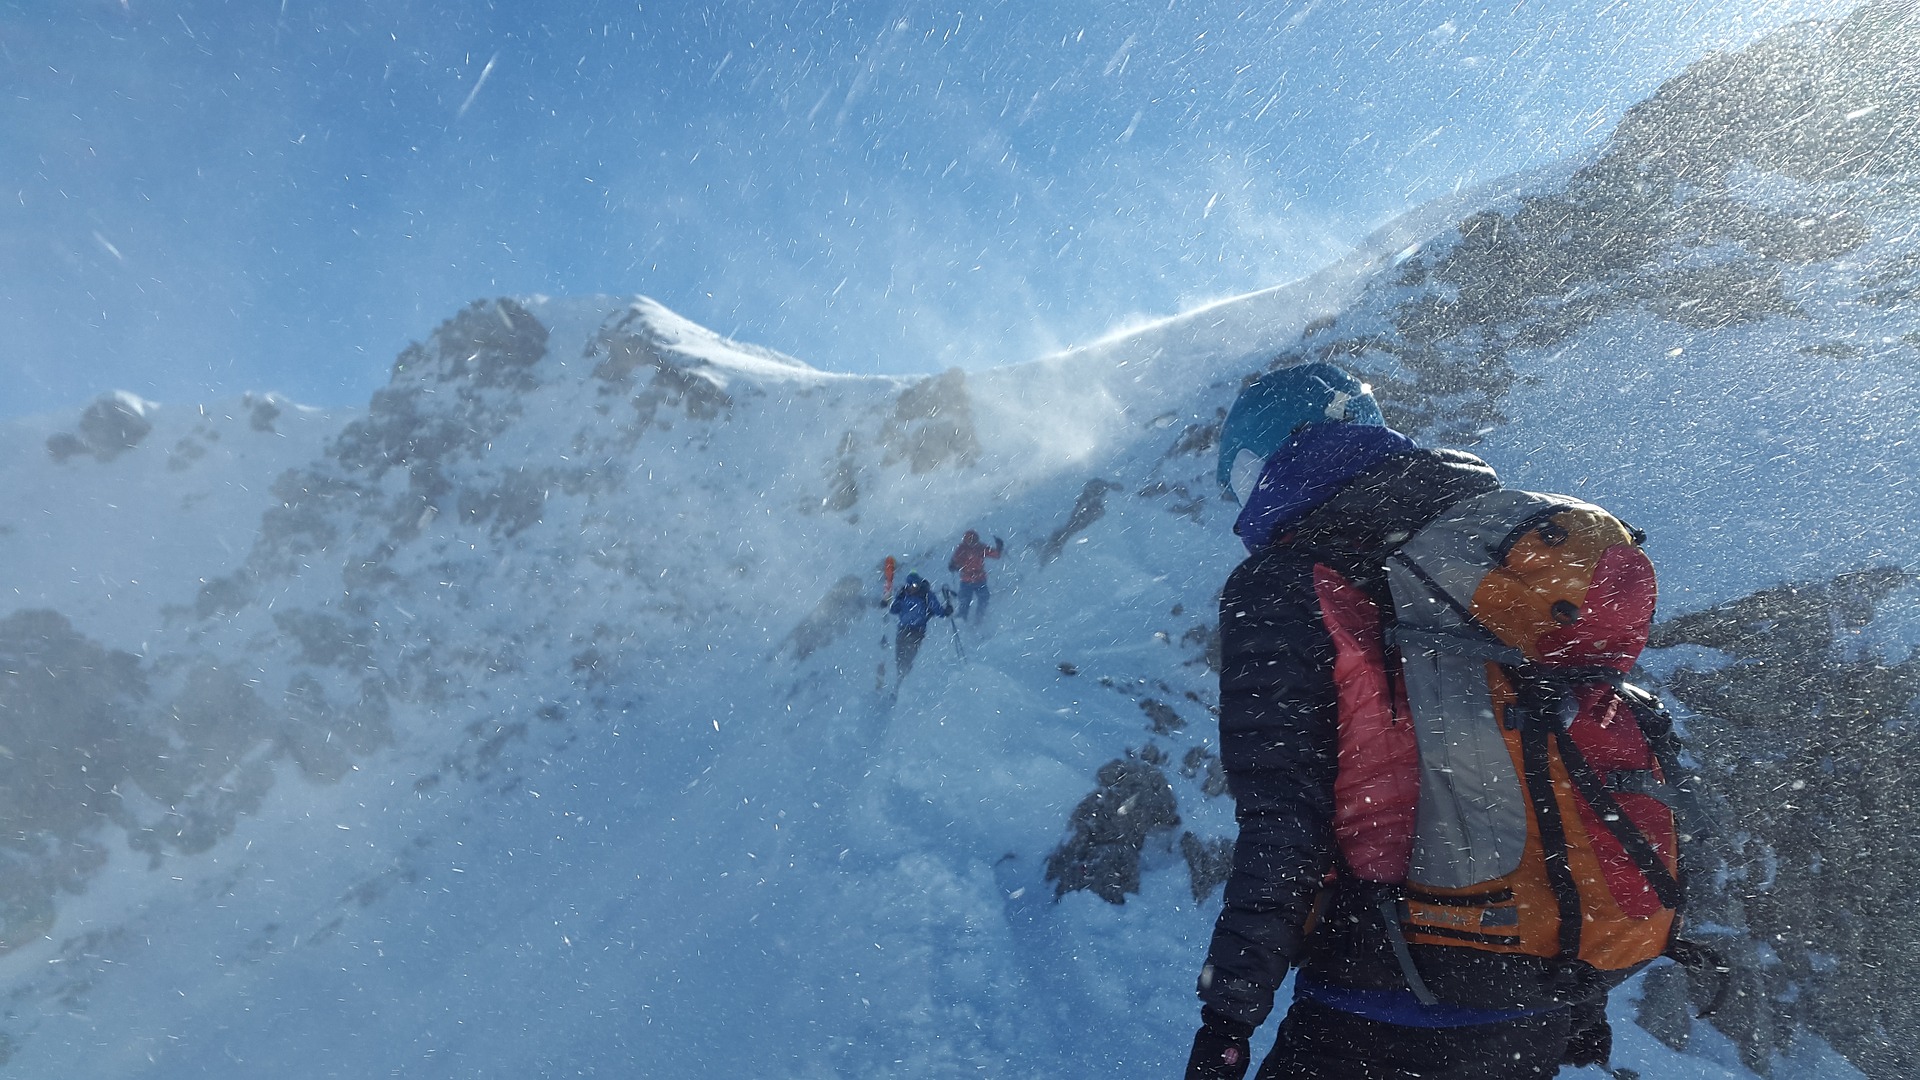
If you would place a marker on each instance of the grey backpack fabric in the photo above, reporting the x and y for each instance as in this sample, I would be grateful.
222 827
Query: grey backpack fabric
1472 819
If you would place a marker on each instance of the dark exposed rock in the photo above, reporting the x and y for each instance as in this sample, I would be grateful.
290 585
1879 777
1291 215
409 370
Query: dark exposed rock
628 347
1207 637
622 350
512 504
1813 101
1181 499
1812 743
185 452
222 597
72 728
1665 1010
1197 440
1204 765
110 426
843 476
262 414
932 425
219 713
1164 719
436 405
81 732
302 523
64 445
324 740
1088 508
490 343
1832 350
1715 297
1109 829
697 395
1209 863
323 640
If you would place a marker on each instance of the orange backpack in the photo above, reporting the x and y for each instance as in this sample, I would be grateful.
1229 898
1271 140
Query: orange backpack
1508 795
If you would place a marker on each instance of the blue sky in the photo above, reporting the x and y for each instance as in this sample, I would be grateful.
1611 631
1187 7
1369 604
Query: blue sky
205 197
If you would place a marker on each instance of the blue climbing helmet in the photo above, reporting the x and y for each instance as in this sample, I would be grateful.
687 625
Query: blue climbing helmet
1279 403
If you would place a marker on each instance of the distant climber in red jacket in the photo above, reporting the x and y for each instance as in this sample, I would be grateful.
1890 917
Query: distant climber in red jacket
970 559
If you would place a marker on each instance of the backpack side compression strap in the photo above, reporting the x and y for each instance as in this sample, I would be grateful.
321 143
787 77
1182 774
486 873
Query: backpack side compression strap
1632 840
1534 746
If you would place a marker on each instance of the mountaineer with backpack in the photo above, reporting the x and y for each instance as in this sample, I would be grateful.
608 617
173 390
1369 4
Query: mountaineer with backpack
914 605
1454 815
970 561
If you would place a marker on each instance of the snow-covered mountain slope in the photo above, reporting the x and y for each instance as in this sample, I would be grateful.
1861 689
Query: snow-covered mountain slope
530 721
113 515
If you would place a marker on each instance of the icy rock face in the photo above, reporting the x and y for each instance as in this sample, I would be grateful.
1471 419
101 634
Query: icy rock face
97 741
1088 507
1115 831
932 425
1806 733
835 615
1818 102
633 359
1667 220
350 604
448 399
72 727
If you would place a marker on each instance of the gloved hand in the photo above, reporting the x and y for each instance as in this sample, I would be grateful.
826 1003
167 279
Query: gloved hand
1590 1041
1219 1049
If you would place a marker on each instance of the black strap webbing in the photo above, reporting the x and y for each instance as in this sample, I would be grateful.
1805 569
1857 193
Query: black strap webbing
1657 727
1553 834
1705 959
1645 857
1438 590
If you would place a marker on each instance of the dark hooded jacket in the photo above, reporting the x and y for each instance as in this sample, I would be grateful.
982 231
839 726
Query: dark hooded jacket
1342 495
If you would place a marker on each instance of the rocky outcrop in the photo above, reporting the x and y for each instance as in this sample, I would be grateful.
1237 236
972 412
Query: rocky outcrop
1659 223
931 425
1111 826
1090 506
1809 737
72 729
109 427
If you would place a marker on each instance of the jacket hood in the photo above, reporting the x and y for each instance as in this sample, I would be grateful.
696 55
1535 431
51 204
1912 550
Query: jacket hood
1308 469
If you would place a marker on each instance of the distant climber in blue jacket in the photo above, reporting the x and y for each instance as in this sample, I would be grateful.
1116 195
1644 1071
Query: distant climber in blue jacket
914 605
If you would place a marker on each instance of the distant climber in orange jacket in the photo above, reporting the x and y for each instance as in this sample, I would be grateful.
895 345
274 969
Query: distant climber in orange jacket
970 559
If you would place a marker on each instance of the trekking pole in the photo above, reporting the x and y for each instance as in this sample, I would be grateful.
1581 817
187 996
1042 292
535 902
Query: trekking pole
946 593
